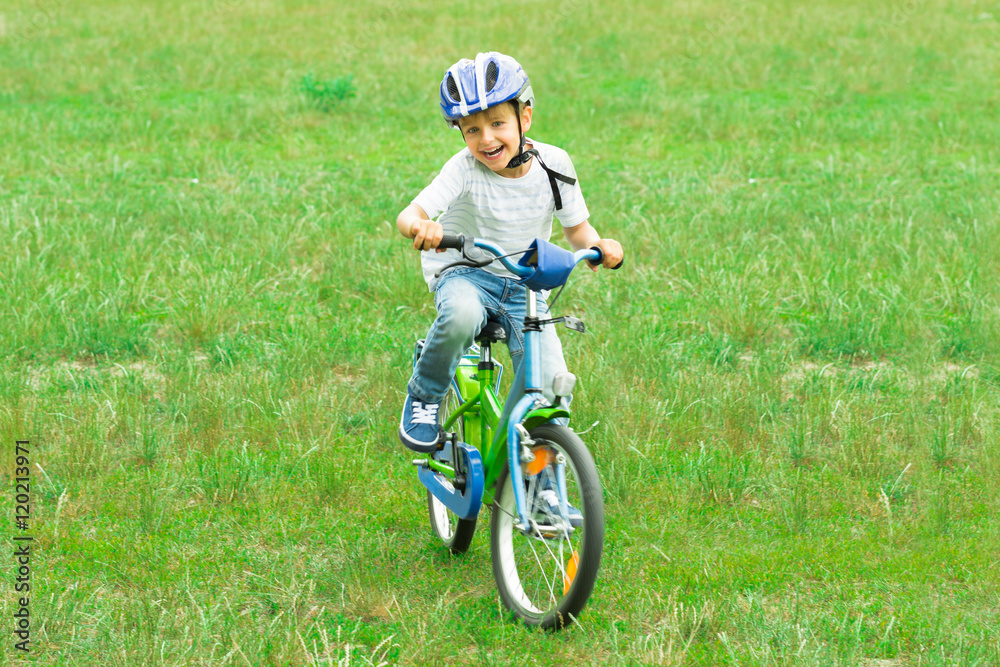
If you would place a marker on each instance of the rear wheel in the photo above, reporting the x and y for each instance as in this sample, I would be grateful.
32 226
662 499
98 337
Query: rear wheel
545 577
455 533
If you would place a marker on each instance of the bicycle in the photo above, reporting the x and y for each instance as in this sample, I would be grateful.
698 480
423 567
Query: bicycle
547 524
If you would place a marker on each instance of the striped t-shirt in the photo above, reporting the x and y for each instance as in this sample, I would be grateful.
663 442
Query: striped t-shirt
511 212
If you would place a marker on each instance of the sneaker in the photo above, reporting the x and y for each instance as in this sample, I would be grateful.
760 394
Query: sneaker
418 426
547 500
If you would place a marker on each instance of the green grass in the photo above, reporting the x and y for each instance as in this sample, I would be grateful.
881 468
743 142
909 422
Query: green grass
208 319
327 95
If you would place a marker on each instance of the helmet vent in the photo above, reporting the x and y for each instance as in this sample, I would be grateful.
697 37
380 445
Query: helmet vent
492 74
453 89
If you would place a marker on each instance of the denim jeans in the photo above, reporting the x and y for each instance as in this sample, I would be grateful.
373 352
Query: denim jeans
465 298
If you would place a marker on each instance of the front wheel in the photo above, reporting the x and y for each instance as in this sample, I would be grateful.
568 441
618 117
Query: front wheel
546 577
455 533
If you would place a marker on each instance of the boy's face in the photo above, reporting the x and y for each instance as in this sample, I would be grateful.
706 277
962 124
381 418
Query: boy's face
493 137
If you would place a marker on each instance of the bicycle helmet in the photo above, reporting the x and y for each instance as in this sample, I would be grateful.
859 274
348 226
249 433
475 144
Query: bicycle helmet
471 86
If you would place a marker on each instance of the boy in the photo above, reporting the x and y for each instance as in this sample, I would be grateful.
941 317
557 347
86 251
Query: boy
504 188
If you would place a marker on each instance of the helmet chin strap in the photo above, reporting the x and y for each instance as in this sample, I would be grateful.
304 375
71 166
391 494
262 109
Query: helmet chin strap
523 156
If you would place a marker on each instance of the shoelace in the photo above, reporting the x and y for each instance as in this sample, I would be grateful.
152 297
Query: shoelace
425 413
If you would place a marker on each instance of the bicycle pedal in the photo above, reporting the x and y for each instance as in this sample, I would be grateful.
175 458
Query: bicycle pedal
444 439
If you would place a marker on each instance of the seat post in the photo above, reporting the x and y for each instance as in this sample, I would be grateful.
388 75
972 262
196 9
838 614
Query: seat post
486 355
491 332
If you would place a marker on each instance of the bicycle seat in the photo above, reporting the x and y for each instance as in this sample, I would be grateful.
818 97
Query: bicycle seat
491 332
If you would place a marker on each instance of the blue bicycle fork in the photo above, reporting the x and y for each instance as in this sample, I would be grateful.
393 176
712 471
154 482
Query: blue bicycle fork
516 434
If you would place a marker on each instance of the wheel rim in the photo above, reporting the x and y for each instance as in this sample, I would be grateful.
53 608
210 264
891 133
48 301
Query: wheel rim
539 569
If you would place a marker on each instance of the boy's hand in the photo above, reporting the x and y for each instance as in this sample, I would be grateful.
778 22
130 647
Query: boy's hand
612 254
426 234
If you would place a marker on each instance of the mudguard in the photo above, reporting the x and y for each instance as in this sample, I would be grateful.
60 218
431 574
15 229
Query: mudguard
540 416
465 504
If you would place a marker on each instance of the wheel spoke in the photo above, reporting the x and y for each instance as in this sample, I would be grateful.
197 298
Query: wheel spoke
546 574
547 577
558 562
542 568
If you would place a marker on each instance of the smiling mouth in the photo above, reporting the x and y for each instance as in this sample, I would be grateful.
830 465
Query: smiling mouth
494 153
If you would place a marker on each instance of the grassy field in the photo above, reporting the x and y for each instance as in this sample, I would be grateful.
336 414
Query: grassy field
208 320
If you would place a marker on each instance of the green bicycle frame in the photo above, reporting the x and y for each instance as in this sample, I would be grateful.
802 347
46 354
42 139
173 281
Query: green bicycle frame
481 409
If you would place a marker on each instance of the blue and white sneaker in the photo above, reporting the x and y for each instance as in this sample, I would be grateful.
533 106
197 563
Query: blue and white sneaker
418 426
547 499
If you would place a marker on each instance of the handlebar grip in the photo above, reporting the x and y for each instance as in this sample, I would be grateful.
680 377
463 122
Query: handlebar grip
601 257
452 241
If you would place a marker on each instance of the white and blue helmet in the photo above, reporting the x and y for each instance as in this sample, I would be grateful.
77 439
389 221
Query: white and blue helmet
471 86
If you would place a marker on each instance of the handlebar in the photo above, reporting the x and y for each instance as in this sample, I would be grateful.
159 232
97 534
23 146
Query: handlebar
600 258
465 244
452 241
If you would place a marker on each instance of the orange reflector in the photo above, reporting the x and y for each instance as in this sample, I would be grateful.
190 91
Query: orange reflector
574 561
543 457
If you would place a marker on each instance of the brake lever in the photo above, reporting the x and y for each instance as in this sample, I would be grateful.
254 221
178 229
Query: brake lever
467 246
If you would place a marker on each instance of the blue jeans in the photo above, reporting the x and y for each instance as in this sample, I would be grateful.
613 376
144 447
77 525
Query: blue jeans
465 298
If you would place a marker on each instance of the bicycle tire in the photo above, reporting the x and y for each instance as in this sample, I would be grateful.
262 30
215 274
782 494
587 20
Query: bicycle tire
455 533
520 567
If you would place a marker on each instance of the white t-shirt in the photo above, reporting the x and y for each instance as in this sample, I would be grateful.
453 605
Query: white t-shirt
511 212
